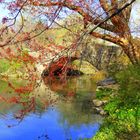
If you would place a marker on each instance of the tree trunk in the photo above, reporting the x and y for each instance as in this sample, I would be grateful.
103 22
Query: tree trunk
132 50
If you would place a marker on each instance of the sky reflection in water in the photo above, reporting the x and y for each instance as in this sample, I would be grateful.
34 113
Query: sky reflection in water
45 127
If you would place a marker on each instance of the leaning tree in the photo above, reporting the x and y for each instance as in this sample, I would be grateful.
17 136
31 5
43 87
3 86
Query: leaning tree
112 16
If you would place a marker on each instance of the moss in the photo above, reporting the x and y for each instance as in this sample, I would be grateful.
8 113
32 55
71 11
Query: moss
84 67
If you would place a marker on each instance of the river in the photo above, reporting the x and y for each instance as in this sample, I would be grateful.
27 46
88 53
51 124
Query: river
56 110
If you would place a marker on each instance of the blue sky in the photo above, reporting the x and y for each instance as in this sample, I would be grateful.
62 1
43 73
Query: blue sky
3 11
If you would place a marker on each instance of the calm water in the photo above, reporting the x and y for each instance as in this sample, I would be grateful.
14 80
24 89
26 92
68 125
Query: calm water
54 111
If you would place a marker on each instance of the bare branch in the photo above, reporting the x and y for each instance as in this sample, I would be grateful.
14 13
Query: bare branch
107 37
78 9
105 5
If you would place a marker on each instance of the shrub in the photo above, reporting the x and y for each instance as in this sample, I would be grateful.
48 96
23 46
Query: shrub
129 81
123 121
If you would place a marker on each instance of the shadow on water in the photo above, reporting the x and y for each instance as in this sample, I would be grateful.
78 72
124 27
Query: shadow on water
57 110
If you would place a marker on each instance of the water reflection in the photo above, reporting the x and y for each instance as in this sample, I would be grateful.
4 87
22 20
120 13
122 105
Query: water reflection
83 86
56 111
47 125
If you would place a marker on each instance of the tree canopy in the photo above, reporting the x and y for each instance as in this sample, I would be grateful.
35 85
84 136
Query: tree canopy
113 17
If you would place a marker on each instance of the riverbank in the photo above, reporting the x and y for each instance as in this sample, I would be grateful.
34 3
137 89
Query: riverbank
123 109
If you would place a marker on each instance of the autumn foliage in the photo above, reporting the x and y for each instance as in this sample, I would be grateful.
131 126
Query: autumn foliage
112 17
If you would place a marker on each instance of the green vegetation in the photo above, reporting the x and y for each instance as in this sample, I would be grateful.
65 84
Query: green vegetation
104 93
4 65
123 120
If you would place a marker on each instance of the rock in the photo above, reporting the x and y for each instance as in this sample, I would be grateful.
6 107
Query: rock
96 110
108 81
97 103
97 106
84 67
99 110
105 101
102 112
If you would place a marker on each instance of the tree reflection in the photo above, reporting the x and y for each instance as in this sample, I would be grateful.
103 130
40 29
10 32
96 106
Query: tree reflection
76 99
23 103
72 98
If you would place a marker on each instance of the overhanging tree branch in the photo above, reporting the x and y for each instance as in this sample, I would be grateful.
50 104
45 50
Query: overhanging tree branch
111 16
78 9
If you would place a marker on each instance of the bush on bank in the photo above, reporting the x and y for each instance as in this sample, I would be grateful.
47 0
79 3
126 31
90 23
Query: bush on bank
123 120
